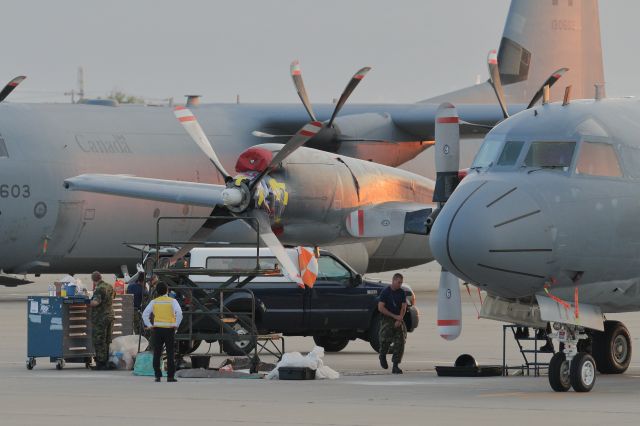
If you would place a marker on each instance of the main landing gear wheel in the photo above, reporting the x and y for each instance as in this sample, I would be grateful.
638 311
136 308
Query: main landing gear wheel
60 364
583 372
31 362
612 348
559 372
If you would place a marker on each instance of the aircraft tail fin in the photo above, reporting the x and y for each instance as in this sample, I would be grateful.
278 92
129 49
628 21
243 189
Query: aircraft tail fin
540 37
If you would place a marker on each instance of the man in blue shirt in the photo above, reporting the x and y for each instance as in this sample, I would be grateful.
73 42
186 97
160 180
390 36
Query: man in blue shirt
392 304
137 288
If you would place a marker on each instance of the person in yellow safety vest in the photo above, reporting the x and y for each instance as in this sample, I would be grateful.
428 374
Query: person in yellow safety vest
167 316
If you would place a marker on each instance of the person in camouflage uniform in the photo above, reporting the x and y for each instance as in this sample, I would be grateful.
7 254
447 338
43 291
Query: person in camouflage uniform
392 304
102 317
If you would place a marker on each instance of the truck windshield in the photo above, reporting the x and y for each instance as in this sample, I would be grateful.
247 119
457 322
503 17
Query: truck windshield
553 155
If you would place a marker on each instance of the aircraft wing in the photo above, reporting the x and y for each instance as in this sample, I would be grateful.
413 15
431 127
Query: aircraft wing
198 194
388 219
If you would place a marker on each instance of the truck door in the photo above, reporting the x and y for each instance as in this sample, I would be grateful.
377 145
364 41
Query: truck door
335 302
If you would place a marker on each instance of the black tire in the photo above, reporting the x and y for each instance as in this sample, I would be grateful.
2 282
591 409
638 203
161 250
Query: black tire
331 343
60 364
612 348
374 333
559 373
239 347
583 372
31 362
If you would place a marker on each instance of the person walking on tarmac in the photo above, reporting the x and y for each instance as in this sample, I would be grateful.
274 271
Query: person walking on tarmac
392 304
167 316
102 317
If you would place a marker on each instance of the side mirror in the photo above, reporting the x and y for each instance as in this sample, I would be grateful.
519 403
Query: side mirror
357 280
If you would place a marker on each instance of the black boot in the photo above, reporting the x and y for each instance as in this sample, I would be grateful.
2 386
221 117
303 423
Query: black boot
396 369
383 361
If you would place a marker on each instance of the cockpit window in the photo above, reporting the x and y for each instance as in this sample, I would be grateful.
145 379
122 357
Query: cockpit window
3 148
510 153
554 155
598 159
488 152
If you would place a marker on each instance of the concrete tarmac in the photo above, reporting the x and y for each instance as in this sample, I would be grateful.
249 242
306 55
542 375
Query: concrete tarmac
364 395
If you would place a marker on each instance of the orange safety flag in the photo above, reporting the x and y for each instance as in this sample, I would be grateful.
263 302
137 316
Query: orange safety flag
308 265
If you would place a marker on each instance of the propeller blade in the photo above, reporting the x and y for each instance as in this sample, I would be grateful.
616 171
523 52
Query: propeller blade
202 233
353 83
449 306
296 75
260 134
494 79
553 78
191 125
447 152
277 249
6 91
308 131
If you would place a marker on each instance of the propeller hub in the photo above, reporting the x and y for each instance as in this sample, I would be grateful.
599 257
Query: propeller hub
236 196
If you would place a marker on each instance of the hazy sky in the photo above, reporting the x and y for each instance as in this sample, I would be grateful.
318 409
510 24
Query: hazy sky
157 49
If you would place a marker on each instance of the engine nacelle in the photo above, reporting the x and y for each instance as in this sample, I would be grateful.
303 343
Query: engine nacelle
379 138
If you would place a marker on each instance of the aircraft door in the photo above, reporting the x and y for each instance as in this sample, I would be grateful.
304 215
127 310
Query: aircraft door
67 229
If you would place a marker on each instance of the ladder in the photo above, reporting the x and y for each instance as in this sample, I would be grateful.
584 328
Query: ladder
524 346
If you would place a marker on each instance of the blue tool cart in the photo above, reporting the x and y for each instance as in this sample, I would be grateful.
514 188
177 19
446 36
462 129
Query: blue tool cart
59 328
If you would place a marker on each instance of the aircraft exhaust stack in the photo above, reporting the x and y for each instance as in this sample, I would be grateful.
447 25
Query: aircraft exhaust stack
546 91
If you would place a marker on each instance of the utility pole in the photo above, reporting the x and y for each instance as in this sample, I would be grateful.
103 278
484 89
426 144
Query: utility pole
80 82
80 91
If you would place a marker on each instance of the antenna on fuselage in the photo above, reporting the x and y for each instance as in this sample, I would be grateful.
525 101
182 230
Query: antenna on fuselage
600 93
567 96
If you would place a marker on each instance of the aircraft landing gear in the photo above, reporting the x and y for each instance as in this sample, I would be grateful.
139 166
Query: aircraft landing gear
612 348
571 368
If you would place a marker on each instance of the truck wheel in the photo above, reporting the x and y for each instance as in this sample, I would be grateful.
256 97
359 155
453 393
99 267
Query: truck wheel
239 347
612 348
331 343
374 333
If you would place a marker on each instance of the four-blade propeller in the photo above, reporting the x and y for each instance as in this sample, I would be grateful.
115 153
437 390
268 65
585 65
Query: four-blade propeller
238 197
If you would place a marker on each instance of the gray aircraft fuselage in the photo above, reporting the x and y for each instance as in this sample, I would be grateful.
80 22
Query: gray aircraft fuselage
44 228
519 221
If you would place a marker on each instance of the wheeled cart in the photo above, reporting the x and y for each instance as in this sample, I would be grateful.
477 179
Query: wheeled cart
59 328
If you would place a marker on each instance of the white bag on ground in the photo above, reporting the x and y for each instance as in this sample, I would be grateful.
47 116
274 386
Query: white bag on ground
312 360
123 350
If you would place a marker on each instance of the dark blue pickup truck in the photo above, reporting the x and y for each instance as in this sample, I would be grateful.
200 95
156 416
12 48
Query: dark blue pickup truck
341 306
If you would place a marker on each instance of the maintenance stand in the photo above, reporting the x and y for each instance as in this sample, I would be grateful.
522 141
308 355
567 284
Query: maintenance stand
207 315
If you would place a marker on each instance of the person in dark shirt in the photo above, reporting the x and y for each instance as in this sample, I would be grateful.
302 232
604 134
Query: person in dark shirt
392 304
137 288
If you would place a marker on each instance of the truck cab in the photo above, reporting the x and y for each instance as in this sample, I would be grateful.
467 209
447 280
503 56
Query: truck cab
341 306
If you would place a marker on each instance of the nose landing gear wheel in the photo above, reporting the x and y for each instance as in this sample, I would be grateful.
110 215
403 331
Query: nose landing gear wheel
559 373
583 372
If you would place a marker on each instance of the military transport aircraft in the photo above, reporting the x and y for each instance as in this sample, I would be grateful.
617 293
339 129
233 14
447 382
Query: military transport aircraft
546 222
44 228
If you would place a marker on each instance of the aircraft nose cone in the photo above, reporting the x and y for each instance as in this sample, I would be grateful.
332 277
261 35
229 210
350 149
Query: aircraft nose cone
495 234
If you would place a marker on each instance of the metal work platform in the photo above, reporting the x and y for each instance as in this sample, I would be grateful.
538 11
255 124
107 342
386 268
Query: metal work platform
535 366
208 312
